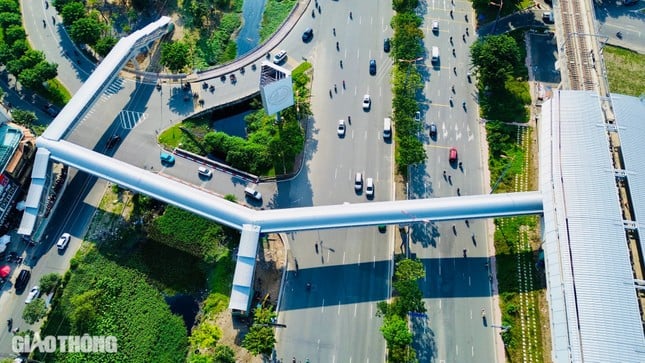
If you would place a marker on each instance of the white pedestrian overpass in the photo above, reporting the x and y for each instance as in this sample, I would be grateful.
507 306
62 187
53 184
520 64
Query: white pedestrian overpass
593 305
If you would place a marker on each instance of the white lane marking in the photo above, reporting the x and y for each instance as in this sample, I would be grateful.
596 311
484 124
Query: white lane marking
343 257
322 307
472 351
457 349
440 302
355 309
338 307
359 259
374 260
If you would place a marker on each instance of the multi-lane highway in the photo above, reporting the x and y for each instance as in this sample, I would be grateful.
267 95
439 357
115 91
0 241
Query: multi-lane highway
348 269
456 288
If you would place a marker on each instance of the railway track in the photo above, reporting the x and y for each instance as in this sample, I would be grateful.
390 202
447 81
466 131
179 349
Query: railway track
576 18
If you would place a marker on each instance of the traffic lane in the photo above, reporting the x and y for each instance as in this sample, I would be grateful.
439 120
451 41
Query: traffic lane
52 41
342 297
72 215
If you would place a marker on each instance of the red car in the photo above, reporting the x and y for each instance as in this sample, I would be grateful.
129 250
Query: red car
453 155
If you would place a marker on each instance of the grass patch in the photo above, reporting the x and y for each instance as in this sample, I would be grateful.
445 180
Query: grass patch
275 12
105 298
56 93
190 134
625 71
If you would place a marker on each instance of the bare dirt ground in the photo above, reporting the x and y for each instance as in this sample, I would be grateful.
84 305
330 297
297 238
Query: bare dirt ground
268 274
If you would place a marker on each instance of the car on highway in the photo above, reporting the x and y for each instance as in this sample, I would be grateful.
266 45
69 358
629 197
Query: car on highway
51 110
307 35
63 241
340 130
33 294
204 171
166 158
252 193
367 102
372 67
22 280
280 57
112 141
433 131
369 188
386 45
358 182
435 26
452 156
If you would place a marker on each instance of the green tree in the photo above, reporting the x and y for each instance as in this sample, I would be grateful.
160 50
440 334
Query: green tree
205 336
105 45
19 47
31 58
60 4
33 78
224 354
404 5
22 117
395 331
495 57
83 310
72 12
9 6
86 31
34 311
49 282
8 19
409 269
259 340
409 299
175 56
13 33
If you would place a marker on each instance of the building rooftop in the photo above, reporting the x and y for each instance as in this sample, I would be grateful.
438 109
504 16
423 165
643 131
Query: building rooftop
593 303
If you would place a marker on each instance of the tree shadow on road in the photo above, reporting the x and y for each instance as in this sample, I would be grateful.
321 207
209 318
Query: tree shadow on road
424 341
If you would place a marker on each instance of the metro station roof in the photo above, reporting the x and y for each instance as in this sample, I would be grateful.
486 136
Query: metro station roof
593 305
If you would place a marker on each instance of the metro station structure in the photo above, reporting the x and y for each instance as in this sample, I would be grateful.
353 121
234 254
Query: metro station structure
593 252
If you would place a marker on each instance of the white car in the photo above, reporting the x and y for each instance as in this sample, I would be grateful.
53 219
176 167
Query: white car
358 182
341 128
33 294
417 116
63 241
369 187
204 171
367 102
281 56
435 26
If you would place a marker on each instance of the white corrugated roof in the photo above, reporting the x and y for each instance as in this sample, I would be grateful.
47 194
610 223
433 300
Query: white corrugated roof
592 301
630 118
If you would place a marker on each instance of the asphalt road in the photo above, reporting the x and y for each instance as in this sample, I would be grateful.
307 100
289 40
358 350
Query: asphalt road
348 269
73 215
54 42
629 20
455 288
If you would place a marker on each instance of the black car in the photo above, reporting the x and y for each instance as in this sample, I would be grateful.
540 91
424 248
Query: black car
372 67
433 131
307 35
112 141
386 45
51 110
22 280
